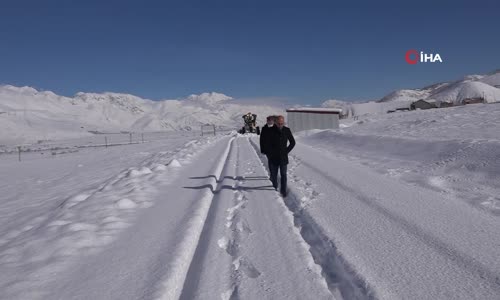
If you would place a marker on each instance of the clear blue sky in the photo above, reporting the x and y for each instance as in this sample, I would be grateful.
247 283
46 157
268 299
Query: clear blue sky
304 51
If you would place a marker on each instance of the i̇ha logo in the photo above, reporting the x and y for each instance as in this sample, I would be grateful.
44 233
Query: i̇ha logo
413 56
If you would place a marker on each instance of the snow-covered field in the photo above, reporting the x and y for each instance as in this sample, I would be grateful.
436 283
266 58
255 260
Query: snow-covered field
395 206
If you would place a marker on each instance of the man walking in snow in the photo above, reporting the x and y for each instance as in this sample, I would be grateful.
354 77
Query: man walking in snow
277 152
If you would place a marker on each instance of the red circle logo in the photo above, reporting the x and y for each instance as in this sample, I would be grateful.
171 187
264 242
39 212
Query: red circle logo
408 58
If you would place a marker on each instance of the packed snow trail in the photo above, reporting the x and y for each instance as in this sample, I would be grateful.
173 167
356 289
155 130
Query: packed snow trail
218 230
250 248
404 241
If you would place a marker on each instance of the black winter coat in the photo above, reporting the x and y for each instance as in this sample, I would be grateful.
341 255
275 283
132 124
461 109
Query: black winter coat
278 146
265 138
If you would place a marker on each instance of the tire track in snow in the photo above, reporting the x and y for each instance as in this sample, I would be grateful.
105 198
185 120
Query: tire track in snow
236 230
175 279
339 275
232 242
250 248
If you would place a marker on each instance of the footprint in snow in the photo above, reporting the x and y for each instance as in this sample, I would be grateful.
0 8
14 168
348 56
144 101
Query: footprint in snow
231 293
240 197
246 267
223 242
243 227
229 245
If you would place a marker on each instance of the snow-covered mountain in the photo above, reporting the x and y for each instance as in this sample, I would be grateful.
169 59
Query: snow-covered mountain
458 91
470 86
28 115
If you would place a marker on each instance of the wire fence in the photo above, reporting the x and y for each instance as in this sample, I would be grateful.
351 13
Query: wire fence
48 147
103 140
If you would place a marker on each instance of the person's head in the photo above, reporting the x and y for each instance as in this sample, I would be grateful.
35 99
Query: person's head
270 120
280 122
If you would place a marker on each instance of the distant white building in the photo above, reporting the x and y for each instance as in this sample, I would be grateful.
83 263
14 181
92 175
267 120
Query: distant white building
305 118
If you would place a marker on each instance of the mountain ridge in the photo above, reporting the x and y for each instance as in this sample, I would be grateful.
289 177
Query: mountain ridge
29 115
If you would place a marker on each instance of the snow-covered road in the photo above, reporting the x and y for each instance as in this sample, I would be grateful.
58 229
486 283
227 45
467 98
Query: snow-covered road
205 223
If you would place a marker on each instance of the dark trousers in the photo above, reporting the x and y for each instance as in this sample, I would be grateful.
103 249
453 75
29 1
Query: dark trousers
269 165
273 169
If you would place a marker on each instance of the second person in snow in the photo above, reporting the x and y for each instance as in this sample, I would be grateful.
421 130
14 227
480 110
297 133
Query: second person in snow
265 135
277 150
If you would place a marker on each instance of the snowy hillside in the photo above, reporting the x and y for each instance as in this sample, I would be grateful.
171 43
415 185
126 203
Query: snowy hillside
29 115
470 86
492 79
405 95
456 92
